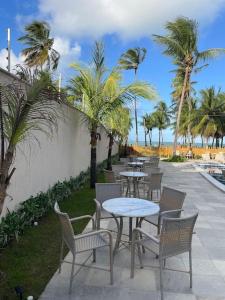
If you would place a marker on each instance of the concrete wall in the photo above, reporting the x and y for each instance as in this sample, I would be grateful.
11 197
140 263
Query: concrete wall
66 154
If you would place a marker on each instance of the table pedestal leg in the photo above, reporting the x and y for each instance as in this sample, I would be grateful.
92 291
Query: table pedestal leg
130 229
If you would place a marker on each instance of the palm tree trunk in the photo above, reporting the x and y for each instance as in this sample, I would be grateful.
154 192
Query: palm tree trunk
213 142
180 110
135 110
93 175
125 149
109 159
221 144
202 141
159 138
150 137
162 137
136 122
5 175
145 139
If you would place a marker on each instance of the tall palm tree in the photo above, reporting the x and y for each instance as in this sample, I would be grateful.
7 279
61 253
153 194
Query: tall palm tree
23 111
181 44
98 92
131 60
211 114
161 119
143 123
150 124
40 46
118 124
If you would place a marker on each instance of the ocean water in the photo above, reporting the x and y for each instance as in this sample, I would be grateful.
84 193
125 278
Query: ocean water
155 144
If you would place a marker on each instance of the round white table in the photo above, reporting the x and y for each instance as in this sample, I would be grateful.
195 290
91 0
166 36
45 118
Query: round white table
129 207
135 176
143 158
135 164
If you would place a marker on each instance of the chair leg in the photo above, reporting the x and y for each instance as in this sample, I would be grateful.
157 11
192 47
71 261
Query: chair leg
61 256
111 262
71 275
132 260
94 255
190 268
161 278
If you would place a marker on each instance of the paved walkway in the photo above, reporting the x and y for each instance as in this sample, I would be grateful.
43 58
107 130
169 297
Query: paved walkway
208 255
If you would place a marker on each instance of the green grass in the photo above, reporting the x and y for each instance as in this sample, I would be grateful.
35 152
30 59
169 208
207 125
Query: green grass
32 261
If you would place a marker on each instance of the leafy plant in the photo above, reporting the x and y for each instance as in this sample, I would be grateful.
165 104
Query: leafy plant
176 158
33 209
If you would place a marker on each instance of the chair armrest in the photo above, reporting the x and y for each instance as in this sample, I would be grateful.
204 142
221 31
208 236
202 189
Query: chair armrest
95 232
170 213
84 217
140 230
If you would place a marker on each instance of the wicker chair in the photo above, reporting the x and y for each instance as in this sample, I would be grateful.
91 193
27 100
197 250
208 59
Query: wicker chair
83 242
149 170
171 203
111 177
154 184
175 238
124 160
105 191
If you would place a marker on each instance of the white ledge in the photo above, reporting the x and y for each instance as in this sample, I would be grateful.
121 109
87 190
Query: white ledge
210 178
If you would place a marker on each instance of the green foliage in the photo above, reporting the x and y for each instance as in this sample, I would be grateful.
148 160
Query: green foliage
176 158
33 209
40 46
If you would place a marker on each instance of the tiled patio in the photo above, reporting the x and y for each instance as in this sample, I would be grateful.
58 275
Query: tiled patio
208 254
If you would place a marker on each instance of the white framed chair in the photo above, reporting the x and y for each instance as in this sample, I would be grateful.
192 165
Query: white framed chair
175 238
83 242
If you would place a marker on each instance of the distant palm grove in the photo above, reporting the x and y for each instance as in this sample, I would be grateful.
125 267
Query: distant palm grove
104 99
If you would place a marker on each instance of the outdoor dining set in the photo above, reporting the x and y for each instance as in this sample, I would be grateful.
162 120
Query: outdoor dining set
133 191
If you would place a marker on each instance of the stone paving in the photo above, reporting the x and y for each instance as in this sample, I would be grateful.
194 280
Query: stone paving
208 254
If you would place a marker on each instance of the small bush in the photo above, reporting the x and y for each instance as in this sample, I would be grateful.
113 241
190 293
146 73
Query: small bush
176 158
31 210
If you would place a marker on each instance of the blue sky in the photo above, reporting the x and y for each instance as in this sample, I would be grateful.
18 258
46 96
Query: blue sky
121 24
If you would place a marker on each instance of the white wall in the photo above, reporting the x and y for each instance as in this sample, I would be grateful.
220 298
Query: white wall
66 154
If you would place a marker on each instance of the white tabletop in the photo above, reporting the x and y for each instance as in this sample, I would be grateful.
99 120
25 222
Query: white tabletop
130 207
133 174
135 163
143 158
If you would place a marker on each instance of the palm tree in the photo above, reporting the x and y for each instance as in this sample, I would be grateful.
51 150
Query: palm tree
161 118
98 92
143 123
23 111
181 43
118 124
39 50
131 60
150 124
210 116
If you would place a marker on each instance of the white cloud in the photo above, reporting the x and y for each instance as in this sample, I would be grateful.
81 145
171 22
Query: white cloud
15 60
127 18
68 53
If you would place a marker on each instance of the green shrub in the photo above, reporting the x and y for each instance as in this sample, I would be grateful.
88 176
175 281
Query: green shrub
176 158
31 210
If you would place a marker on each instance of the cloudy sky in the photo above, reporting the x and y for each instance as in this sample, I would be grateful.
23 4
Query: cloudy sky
122 24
